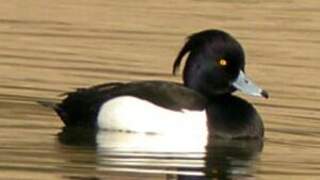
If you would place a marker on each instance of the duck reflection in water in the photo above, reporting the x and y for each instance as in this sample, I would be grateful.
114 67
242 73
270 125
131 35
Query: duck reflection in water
179 158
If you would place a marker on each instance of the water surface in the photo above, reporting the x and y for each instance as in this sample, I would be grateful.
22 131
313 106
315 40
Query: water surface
49 47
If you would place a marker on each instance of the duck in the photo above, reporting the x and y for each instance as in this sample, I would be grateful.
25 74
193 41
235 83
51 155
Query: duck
202 104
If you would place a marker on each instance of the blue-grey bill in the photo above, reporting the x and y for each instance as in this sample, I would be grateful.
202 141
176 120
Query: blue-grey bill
245 85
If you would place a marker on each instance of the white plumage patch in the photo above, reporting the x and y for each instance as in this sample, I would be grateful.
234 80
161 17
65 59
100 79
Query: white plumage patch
129 113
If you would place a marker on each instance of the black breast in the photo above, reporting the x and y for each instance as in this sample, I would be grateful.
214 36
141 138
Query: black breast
232 117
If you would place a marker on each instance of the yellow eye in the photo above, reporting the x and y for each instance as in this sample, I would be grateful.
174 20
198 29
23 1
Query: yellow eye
223 62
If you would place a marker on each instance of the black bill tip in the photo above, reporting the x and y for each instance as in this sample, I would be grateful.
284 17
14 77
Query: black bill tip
265 94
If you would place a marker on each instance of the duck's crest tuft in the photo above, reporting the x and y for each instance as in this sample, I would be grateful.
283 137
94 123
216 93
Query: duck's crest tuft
195 42
185 49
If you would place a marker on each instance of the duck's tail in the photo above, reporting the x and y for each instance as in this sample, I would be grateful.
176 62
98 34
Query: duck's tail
56 107
49 104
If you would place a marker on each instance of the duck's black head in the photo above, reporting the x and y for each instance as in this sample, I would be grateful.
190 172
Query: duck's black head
215 65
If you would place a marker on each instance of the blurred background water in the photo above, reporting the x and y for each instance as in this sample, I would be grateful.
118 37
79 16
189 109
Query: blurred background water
49 47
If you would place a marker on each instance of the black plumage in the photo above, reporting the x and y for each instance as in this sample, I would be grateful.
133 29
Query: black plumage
215 62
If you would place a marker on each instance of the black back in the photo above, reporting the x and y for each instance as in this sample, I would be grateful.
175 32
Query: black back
80 108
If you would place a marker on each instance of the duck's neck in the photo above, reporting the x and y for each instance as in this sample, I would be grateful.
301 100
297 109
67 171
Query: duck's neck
213 97
209 94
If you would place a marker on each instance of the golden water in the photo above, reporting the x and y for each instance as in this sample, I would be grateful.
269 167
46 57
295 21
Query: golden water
49 47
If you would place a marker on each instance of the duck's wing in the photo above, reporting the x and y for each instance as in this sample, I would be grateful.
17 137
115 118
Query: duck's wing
170 95
80 108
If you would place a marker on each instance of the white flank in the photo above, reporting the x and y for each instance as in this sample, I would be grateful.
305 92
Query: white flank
129 113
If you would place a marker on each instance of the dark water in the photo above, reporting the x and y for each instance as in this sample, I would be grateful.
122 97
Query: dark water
49 47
